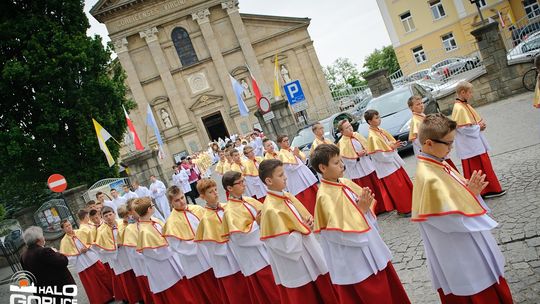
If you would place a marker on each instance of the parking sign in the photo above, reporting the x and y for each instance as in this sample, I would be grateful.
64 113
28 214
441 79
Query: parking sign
294 92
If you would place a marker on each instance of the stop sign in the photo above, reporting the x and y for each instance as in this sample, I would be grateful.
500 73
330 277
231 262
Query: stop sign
57 183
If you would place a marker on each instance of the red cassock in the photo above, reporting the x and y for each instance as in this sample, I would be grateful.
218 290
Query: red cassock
144 286
260 199
97 283
383 287
129 283
399 187
204 287
320 291
117 287
308 198
384 203
262 287
234 288
178 293
451 163
482 162
497 293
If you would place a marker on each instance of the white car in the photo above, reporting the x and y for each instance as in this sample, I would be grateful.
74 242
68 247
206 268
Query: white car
525 50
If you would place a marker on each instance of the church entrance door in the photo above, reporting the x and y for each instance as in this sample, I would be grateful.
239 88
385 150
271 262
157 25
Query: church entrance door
215 126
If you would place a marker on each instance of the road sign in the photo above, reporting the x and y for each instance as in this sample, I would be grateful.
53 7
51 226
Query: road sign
269 116
299 106
294 92
57 183
264 105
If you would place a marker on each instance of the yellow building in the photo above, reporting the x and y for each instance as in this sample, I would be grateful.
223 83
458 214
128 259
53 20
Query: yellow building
426 32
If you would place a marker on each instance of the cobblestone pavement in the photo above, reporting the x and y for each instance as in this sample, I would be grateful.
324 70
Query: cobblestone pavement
514 134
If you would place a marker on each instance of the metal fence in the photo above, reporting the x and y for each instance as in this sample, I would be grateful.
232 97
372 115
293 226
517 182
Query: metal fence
105 186
522 39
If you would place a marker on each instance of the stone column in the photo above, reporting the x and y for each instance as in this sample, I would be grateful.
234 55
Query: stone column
164 72
121 49
245 44
378 82
209 38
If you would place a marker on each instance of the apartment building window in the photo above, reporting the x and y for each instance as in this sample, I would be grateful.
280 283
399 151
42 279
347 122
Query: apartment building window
419 54
448 41
532 9
437 9
482 3
407 21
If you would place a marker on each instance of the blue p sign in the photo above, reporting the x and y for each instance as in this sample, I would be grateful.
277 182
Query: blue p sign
294 92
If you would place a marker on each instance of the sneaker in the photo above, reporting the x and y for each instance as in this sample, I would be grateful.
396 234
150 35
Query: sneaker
404 214
494 194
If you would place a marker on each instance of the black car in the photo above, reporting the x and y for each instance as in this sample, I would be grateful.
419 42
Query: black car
395 113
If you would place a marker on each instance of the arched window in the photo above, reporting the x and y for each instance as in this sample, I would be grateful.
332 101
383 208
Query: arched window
184 48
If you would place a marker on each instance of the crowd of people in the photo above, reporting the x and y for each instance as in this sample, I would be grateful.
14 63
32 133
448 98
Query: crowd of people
285 234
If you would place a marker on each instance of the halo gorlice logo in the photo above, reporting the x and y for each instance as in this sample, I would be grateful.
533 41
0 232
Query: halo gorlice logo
24 291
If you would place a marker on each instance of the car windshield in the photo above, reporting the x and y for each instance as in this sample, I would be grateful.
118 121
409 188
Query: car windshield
390 103
304 137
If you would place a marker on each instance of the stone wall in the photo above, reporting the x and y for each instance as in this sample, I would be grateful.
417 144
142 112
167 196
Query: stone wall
283 123
379 83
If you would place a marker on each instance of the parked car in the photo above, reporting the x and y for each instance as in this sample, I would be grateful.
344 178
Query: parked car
525 50
305 137
450 66
418 75
395 113
358 110
526 31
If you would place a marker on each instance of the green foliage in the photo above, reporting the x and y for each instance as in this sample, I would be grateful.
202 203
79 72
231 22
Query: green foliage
384 58
54 79
342 74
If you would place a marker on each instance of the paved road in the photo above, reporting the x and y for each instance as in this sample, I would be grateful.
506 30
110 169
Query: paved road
514 134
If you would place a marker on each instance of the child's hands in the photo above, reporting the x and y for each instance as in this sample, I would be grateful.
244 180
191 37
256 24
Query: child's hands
361 153
482 125
396 144
309 222
365 200
477 182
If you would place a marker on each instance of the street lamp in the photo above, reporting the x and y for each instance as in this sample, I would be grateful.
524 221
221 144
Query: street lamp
477 2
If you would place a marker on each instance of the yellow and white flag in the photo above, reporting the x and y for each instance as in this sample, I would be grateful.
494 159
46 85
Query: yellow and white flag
103 136
277 90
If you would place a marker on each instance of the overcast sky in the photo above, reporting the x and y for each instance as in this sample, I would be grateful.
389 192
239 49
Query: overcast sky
345 28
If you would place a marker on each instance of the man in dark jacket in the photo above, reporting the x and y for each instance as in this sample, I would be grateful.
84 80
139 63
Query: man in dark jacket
48 266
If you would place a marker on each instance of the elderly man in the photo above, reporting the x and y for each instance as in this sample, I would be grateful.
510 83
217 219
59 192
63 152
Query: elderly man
46 264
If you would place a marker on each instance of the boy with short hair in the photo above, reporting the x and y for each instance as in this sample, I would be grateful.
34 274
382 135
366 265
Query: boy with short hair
95 221
86 231
296 258
269 149
179 230
359 166
220 167
241 226
254 185
471 145
232 284
357 257
301 182
106 246
163 267
382 147
237 163
318 130
464 261
93 274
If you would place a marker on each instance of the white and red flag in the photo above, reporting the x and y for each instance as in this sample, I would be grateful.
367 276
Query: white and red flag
132 132
255 86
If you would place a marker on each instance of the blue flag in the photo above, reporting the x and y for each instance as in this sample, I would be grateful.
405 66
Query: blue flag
238 90
152 123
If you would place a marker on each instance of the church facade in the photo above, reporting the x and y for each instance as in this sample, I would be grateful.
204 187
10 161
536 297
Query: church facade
178 55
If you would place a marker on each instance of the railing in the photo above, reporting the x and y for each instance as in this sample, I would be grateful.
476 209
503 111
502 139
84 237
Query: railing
105 185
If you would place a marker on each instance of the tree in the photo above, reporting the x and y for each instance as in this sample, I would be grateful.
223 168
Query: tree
54 80
341 74
384 58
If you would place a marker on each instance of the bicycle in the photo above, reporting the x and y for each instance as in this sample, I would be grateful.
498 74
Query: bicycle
529 79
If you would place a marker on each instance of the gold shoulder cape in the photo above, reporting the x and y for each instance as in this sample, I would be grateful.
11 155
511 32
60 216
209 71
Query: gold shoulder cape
336 210
287 157
250 168
178 226
155 219
271 155
238 218
377 141
86 234
346 147
131 234
464 114
536 100
317 142
226 167
149 237
121 231
416 121
237 168
105 238
210 227
436 192
278 218
67 244
220 167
